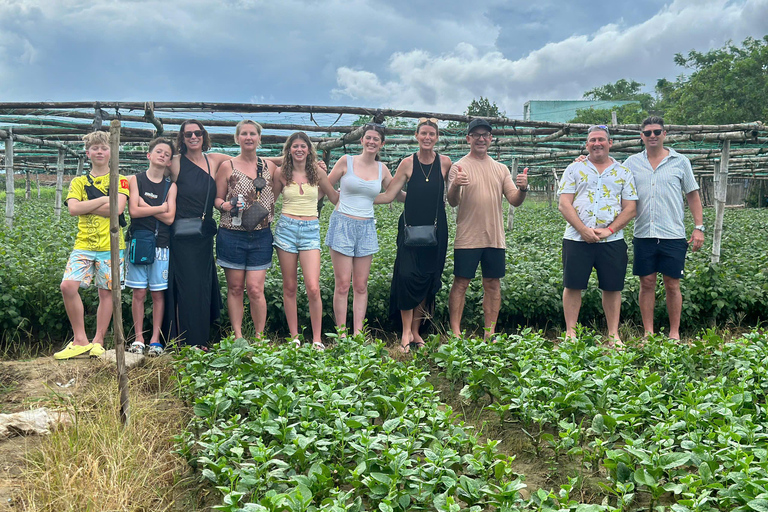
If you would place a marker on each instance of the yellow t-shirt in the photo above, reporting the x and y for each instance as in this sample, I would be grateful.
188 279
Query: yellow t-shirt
93 230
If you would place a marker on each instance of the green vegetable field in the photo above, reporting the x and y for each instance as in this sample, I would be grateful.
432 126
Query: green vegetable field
529 423
735 292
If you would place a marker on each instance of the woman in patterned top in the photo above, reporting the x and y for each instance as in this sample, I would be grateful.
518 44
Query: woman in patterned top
244 249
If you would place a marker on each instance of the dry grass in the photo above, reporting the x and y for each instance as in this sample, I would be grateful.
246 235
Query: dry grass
96 464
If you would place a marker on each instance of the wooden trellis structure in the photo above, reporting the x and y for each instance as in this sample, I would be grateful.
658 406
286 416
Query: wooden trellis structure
47 136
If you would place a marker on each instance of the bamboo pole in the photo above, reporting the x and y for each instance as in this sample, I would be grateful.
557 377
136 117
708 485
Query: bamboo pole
114 247
721 192
37 182
10 187
59 185
511 210
27 185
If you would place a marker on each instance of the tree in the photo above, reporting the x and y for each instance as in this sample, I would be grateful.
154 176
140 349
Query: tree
632 113
727 85
621 90
483 107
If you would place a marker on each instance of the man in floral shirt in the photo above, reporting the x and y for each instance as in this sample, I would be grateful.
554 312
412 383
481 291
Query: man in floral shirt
597 199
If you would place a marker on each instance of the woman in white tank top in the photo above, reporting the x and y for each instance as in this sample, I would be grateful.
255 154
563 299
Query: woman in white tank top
351 232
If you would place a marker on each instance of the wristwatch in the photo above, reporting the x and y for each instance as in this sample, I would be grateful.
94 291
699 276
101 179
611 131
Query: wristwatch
700 228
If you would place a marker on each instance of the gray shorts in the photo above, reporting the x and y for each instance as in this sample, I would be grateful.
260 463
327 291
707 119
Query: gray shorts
352 237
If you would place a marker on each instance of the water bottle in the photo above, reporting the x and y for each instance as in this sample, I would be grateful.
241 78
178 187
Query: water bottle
237 215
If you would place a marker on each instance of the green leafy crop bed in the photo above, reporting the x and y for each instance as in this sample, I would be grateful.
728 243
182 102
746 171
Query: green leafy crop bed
33 255
662 426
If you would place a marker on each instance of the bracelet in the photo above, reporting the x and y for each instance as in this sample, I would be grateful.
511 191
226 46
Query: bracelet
611 230
523 189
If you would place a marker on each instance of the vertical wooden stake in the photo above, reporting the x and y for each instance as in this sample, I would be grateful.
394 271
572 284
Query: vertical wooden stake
114 247
511 211
79 166
10 186
721 191
37 182
59 185
614 120
27 185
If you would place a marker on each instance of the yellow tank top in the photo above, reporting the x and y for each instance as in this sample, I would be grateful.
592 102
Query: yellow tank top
300 200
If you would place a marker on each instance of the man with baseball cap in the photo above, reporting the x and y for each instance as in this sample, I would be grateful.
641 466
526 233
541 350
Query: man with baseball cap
476 184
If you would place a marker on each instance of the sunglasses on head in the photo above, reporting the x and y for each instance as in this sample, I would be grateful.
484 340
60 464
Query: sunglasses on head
196 133
423 120
656 132
373 126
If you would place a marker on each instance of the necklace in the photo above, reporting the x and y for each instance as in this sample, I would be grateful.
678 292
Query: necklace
431 166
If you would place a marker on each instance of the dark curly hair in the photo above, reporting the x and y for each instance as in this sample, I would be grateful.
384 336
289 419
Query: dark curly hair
182 146
311 168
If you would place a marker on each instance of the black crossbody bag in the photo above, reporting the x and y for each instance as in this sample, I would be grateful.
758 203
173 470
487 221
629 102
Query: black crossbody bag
194 227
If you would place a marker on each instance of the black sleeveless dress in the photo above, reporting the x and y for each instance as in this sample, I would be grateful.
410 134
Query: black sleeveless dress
193 299
418 271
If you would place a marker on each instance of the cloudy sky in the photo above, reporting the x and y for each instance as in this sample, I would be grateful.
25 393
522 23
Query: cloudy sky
409 54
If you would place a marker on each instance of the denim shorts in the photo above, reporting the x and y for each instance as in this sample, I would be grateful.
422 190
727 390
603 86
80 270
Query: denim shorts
87 266
294 235
352 237
244 250
154 276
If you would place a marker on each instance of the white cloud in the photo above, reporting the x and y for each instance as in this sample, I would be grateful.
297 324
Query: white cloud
448 81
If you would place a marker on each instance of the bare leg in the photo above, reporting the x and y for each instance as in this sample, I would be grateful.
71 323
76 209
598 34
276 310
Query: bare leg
158 309
647 301
571 307
361 269
310 267
612 308
407 337
456 302
342 275
491 304
103 315
235 287
75 311
289 268
137 310
254 283
419 312
674 305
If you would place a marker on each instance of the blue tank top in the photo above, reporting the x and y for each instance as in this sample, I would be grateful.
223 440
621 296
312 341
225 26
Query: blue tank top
356 194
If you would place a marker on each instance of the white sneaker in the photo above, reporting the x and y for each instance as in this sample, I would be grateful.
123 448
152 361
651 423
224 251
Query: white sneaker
137 347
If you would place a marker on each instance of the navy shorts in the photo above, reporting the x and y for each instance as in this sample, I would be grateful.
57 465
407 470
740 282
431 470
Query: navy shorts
491 259
665 255
609 259
244 250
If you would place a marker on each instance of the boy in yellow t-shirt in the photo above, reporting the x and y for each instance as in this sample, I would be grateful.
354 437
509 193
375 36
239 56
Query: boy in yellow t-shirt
88 198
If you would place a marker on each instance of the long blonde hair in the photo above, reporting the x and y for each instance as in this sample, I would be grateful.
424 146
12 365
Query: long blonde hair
311 168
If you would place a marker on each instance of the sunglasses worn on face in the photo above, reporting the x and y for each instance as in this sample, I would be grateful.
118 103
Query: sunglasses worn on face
656 132
196 133
477 136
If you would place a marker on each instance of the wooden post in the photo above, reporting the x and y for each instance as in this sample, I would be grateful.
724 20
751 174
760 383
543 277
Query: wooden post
721 191
614 120
511 211
59 185
27 185
114 247
37 182
10 187
555 187
79 166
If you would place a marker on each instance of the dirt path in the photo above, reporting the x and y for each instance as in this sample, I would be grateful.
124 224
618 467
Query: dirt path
26 385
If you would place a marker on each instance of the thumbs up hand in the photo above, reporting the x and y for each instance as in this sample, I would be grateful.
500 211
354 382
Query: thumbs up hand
522 180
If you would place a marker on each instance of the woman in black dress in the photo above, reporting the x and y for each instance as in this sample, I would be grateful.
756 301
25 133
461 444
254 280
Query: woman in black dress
193 300
417 276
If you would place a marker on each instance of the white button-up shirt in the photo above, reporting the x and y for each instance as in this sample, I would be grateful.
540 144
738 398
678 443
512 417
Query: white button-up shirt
660 194
597 196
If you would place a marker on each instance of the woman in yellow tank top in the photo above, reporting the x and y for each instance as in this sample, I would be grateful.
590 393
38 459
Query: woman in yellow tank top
297 233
